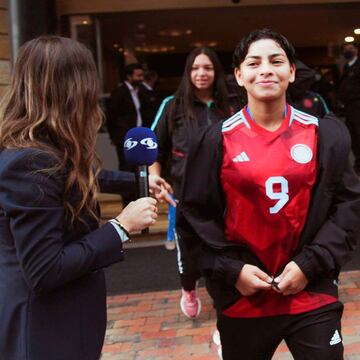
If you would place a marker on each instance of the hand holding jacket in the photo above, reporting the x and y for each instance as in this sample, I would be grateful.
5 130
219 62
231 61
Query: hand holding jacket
251 280
291 281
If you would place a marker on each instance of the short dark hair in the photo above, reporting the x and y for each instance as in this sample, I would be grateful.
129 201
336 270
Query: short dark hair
242 48
349 43
129 69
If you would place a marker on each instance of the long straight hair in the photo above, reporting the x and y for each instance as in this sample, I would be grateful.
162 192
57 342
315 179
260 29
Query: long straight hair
52 105
185 94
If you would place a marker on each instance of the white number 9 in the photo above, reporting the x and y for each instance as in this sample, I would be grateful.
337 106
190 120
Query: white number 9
282 196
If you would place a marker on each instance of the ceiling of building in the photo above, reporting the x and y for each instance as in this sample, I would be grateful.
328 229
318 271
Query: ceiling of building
316 25
70 7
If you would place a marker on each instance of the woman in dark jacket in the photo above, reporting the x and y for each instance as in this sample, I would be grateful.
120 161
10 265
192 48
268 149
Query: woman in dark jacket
271 198
52 247
201 100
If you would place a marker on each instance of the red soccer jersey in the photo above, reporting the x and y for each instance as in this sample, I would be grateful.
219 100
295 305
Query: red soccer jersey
267 179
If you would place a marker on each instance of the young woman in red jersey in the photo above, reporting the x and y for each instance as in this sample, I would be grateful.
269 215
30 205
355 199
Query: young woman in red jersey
201 100
270 196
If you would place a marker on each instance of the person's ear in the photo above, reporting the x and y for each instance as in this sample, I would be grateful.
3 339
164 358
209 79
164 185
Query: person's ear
238 77
292 73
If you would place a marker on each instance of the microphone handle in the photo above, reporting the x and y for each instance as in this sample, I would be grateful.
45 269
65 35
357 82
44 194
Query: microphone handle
142 181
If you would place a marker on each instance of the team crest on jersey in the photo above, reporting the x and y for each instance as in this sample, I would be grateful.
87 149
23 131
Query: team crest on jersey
301 153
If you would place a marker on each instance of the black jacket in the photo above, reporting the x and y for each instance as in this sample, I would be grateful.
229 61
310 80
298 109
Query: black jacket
121 112
349 89
327 239
173 134
52 288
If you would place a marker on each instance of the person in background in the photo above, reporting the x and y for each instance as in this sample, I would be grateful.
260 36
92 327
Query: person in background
349 95
52 247
151 97
200 100
126 110
300 94
236 93
325 86
151 77
272 200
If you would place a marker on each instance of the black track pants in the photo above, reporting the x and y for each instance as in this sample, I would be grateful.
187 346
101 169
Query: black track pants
315 335
188 264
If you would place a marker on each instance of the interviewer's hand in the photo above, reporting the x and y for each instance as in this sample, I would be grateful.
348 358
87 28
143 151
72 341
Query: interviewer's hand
292 280
161 189
139 214
251 279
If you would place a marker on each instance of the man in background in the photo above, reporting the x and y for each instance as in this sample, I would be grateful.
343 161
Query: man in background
349 95
152 98
127 109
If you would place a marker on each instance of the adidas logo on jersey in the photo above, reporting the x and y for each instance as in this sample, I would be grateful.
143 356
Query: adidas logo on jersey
241 157
335 338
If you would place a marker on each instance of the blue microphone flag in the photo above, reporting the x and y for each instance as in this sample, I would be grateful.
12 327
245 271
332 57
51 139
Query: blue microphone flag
140 146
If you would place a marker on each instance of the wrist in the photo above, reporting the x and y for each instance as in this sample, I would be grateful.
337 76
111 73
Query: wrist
123 226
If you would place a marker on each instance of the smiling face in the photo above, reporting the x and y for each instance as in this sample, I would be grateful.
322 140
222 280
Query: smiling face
265 72
202 73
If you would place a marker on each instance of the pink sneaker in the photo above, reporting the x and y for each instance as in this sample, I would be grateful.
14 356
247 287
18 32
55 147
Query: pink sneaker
190 303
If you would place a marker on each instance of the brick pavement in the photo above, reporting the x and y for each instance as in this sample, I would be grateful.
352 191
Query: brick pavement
151 326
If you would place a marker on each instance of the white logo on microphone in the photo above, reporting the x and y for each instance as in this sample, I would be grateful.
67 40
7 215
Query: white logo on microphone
149 143
130 143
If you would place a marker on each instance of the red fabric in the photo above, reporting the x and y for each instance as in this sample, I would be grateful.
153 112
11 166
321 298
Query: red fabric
271 303
267 179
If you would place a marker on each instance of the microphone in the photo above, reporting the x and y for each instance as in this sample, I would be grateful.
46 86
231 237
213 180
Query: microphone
141 150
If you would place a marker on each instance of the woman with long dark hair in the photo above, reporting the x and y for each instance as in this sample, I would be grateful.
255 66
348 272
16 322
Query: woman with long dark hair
271 198
52 247
201 100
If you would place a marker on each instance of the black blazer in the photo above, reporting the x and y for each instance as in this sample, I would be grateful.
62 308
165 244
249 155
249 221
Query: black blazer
122 115
349 90
52 288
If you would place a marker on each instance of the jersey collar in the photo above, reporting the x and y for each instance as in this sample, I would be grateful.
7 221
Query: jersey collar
261 130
